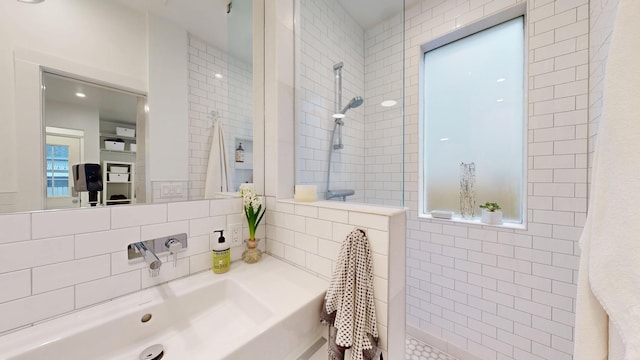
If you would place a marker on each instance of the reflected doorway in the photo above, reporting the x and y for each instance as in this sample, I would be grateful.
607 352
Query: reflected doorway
62 151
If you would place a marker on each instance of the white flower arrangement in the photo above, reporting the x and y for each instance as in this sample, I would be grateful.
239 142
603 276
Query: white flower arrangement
253 209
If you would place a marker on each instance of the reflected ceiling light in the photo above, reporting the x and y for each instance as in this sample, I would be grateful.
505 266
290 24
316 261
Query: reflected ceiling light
388 103
444 139
146 108
81 95
31 1
338 116
501 80
217 76
499 100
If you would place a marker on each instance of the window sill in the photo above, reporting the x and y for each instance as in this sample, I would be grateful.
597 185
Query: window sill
476 221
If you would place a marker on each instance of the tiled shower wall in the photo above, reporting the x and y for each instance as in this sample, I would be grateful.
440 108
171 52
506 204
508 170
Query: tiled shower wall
496 292
228 99
328 35
54 262
384 125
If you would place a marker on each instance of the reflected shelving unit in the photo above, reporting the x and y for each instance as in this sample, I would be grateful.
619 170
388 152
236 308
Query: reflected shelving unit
118 181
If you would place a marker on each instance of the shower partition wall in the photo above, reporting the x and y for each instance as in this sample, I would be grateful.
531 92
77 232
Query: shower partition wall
363 49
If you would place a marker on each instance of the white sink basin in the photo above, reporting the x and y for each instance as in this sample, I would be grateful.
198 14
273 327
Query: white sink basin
204 316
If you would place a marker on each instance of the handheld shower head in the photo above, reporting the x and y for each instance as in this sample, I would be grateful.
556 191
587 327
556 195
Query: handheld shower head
354 103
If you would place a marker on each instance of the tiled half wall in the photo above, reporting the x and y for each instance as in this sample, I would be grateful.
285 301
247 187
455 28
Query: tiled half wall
309 235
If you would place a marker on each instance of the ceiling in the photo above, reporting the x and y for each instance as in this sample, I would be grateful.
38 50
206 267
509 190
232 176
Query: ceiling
111 104
369 13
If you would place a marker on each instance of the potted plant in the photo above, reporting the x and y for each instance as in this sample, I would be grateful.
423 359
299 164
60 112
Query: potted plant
253 211
491 213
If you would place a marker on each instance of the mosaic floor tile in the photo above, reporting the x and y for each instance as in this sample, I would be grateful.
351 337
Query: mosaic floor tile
416 350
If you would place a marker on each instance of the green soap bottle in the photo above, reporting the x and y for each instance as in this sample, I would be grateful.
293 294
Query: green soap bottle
221 254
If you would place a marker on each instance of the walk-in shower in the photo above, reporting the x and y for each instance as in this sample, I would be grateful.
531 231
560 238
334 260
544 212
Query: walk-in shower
364 140
339 114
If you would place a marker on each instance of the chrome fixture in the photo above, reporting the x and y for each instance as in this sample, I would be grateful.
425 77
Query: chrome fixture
354 103
337 85
331 194
338 115
150 257
149 250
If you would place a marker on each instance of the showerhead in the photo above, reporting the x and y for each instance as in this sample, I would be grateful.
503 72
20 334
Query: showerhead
354 103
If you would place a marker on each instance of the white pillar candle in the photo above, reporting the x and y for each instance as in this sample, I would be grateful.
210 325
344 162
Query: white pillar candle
306 193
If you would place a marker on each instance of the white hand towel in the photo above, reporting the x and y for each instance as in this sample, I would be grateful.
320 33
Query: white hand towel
217 179
609 282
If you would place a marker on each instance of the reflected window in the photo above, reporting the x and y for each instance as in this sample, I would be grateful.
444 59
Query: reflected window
58 171
473 96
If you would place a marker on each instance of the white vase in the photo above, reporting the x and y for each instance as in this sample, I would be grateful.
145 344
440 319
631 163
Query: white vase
492 217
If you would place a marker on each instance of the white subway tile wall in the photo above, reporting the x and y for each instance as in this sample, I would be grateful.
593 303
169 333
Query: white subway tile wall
227 98
312 242
328 35
50 275
383 125
494 292
371 162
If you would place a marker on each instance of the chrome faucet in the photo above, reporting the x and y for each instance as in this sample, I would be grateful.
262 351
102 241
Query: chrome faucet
150 257
148 249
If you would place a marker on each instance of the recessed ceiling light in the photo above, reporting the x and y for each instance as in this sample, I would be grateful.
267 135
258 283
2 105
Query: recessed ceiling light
388 103
499 100
338 116
31 1
444 139
81 95
501 80
217 76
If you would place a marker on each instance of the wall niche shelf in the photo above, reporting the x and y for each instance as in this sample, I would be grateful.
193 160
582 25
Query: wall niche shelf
247 145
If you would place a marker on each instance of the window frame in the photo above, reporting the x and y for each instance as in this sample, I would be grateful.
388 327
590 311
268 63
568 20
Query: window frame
485 23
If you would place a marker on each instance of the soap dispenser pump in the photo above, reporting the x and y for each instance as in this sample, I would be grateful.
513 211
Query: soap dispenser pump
239 153
221 254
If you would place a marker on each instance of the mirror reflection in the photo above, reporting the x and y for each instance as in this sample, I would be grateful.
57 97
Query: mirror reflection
168 107
90 124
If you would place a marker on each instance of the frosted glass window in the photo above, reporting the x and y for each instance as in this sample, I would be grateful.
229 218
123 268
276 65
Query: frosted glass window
474 112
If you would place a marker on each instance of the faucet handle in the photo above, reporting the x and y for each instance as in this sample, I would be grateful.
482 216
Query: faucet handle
174 247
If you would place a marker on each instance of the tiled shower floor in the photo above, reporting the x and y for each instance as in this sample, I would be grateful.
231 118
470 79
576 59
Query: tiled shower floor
415 350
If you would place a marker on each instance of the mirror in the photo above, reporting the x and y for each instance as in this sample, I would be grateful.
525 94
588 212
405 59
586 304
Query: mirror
91 124
185 66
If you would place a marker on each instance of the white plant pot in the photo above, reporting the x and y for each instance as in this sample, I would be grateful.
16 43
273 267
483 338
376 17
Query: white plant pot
492 217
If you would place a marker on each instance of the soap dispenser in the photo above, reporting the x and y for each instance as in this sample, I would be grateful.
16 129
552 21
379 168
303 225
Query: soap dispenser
221 254
240 154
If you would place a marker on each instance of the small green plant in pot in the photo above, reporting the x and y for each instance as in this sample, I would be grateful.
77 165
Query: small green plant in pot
491 213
